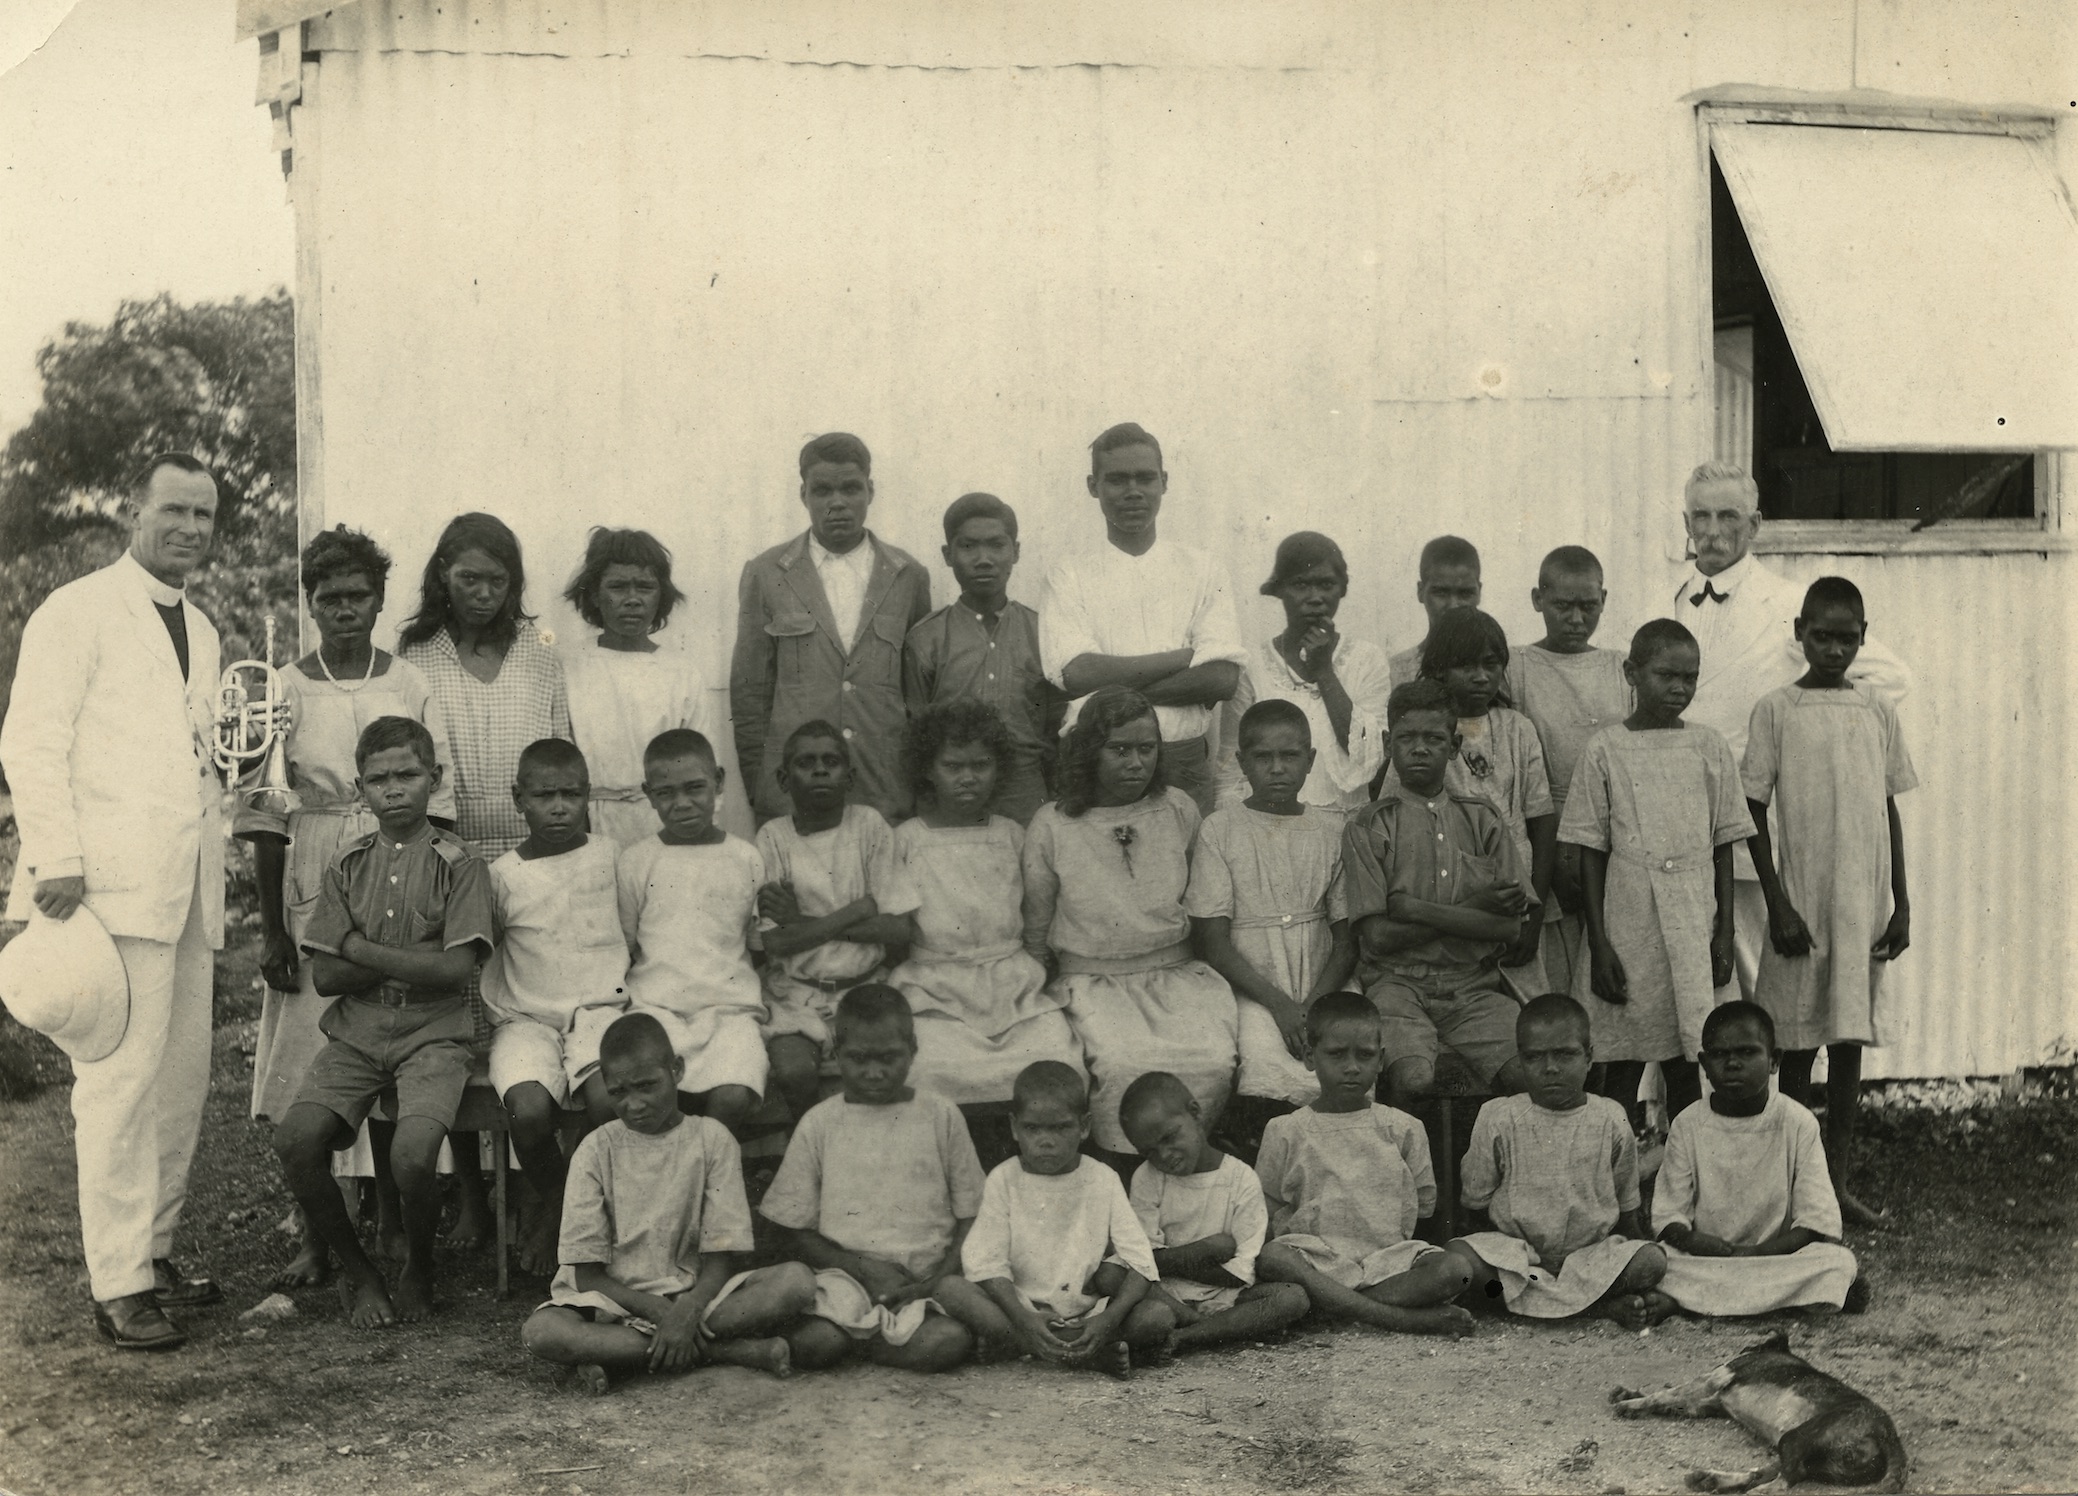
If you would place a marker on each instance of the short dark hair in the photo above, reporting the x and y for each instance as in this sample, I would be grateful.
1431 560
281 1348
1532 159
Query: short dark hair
1156 1088
606 548
1447 550
1656 635
679 742
474 531
1422 695
836 447
1108 709
1301 551
1274 712
385 733
632 1036
1831 592
1339 1007
814 727
1724 1015
340 552
1568 561
943 724
870 1003
1554 1007
978 506
1124 434
550 753
1049 1080
1463 636
186 462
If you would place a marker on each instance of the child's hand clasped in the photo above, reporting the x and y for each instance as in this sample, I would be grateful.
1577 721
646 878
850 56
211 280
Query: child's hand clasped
679 1342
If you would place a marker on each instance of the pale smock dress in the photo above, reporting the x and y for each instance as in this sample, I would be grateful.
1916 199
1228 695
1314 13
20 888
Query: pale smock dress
327 719
983 1011
1660 803
619 700
1104 890
1827 761
1279 880
1341 777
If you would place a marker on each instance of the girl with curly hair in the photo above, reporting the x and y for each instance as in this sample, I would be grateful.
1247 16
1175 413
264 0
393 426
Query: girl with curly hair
1105 871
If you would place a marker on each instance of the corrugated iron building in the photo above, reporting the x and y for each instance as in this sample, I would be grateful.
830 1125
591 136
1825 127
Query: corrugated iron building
1381 270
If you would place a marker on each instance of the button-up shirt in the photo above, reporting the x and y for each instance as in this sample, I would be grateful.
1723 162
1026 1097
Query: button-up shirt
432 887
844 580
1443 849
952 654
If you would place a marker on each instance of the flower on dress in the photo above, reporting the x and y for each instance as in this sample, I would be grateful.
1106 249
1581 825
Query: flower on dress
1124 836
548 638
1477 761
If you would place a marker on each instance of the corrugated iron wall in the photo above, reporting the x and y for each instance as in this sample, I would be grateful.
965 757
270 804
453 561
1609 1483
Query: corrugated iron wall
597 264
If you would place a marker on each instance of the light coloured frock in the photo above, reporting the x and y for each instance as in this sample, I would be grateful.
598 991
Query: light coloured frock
1104 890
982 1008
1345 1189
1659 803
619 700
1827 761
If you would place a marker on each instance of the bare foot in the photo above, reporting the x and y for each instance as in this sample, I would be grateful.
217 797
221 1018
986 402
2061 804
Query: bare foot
772 1356
309 1268
1654 1307
1441 1319
1160 1354
590 1380
1115 1359
472 1229
414 1294
1854 1213
367 1303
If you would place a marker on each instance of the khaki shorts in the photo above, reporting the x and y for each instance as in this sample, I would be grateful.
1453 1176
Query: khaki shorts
422 1050
1470 1011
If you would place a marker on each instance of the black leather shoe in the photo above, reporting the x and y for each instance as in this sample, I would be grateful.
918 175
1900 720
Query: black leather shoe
176 1292
136 1323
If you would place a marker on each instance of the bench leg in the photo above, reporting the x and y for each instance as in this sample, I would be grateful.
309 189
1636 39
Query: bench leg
1446 1170
502 1145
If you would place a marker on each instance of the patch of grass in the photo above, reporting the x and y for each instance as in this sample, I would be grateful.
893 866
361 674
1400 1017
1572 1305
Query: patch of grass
29 1063
1298 1455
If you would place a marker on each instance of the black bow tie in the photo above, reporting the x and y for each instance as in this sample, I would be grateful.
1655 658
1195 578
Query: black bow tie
1696 599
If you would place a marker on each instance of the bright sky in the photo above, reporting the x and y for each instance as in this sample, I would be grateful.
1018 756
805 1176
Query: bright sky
132 161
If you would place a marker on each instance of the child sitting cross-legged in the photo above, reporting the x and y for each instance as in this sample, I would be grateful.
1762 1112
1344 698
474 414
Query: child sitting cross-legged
879 1187
1555 1170
1203 1212
655 1226
1346 1179
1056 1265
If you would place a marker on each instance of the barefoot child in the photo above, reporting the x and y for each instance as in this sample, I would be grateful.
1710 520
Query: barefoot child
688 906
1555 1170
1656 809
1830 756
1265 902
1743 1201
1204 1215
879 1187
1056 1265
555 981
655 1228
1345 1180
403 919
831 905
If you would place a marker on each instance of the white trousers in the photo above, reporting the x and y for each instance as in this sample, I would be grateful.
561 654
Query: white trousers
137 1114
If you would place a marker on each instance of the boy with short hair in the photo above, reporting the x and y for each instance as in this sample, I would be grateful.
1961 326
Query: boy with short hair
555 981
1057 1266
1744 1202
1555 1170
1446 578
655 1229
688 911
1435 894
879 1187
983 645
403 919
833 903
1204 1215
1345 1180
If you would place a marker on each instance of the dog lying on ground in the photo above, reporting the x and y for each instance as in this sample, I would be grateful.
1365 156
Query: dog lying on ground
1820 1428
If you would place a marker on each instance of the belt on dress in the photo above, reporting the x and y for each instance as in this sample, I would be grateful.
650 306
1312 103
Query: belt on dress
1073 964
968 957
1278 921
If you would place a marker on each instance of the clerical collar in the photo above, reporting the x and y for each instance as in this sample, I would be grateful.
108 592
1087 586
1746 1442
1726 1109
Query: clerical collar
160 593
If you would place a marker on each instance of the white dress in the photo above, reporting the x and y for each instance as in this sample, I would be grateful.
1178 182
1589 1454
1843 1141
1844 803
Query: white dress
619 700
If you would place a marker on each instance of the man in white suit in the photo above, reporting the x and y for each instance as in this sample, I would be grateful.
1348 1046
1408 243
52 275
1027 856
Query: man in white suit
1744 618
107 750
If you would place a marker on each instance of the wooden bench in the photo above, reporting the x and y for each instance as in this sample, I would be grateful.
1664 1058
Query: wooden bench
1449 1109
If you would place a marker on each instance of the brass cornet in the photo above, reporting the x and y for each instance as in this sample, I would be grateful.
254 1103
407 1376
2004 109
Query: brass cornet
252 728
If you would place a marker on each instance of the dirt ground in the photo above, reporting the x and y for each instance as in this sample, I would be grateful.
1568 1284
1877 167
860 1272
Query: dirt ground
1968 1346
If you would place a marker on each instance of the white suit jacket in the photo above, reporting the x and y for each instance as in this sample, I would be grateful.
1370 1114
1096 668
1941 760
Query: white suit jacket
107 754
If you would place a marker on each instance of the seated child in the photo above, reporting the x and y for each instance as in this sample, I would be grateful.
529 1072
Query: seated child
403 919
1445 578
831 905
1570 690
1345 1179
555 981
1436 895
1204 1215
1743 1201
688 908
878 1188
1556 1173
1056 1265
983 1011
1265 901
655 1228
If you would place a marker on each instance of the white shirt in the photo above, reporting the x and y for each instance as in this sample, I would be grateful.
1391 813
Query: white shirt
560 946
1110 603
1047 1233
688 913
844 580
